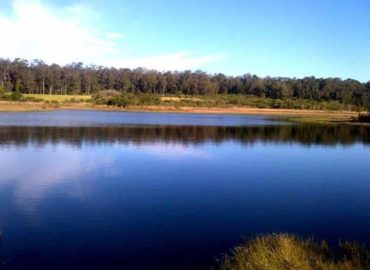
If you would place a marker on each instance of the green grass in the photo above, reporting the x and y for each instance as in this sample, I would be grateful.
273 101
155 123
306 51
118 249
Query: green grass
287 252
59 98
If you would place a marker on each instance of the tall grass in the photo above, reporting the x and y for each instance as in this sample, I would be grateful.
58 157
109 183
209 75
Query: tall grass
287 252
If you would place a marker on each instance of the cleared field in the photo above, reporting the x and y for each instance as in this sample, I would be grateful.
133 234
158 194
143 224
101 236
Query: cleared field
59 98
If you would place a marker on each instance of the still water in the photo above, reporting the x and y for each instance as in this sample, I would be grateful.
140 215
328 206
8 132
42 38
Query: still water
112 190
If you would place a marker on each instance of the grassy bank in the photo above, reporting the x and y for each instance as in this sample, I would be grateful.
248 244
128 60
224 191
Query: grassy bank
286 252
309 116
290 110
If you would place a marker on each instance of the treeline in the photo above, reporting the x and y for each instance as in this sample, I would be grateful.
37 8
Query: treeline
36 77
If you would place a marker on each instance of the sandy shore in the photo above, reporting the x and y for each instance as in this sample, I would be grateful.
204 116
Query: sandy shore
302 114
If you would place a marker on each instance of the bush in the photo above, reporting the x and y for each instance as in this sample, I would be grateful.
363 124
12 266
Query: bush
123 100
147 99
115 98
286 252
14 96
32 99
2 91
105 97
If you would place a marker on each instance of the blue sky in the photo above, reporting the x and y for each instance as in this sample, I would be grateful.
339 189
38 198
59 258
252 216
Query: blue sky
264 37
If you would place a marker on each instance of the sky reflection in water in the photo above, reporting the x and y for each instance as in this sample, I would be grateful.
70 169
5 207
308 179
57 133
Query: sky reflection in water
149 197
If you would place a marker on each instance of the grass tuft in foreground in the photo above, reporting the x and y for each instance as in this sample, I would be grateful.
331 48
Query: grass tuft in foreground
286 252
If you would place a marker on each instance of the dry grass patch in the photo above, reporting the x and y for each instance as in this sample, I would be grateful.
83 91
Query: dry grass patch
179 99
59 98
286 252
6 106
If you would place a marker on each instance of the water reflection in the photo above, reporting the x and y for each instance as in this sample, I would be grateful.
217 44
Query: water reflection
56 166
88 118
302 134
33 173
151 197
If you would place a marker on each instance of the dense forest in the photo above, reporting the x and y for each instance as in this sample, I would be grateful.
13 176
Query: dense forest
36 77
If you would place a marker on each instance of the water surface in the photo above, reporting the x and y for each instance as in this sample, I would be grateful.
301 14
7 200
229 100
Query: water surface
80 118
111 190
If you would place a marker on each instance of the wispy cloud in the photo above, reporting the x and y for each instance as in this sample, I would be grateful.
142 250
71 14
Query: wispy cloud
115 35
171 61
35 30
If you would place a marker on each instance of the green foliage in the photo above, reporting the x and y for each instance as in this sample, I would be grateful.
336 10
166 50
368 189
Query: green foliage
16 96
2 91
217 101
110 98
213 101
106 97
32 99
287 252
145 99
260 102
3 94
122 100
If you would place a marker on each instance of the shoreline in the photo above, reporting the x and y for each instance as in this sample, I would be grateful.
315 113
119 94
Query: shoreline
291 114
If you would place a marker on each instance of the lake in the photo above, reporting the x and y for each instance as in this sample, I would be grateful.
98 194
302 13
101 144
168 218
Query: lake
116 190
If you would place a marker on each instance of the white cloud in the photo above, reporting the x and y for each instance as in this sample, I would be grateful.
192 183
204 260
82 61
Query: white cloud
36 31
114 35
172 61
71 34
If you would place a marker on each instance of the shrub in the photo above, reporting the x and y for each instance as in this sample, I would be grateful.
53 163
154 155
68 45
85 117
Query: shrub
13 96
32 99
2 91
147 99
105 97
122 101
